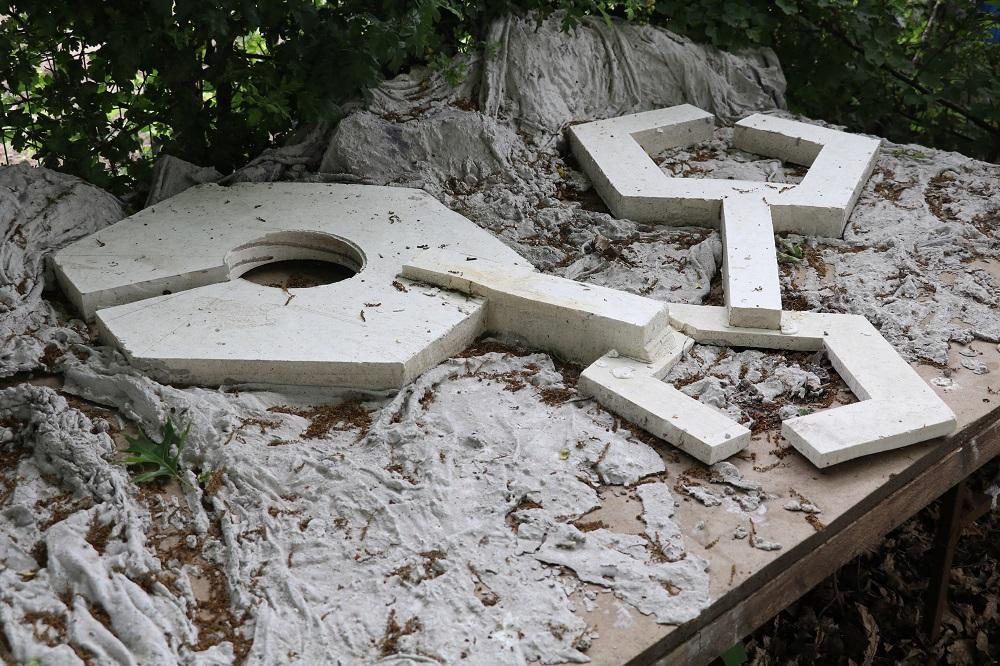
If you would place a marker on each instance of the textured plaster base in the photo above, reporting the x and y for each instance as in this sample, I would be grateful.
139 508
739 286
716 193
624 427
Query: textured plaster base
304 602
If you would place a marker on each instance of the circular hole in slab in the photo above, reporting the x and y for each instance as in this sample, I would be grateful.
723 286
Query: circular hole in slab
296 260
298 274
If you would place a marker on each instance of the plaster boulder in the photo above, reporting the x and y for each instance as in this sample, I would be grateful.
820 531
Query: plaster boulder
546 78
40 211
172 175
449 145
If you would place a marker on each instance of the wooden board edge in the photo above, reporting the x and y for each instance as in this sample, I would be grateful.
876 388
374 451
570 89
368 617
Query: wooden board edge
795 572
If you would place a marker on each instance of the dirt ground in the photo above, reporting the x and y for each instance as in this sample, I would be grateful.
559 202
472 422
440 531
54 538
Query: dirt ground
872 610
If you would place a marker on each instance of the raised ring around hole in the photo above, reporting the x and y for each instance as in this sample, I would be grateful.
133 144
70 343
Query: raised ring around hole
295 260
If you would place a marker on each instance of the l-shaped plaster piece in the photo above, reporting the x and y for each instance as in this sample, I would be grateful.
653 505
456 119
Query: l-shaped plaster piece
635 391
896 407
615 154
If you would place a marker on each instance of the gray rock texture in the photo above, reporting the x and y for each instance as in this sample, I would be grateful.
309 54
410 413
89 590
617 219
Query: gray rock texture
446 522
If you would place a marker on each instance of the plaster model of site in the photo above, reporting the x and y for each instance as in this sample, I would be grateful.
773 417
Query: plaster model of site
448 521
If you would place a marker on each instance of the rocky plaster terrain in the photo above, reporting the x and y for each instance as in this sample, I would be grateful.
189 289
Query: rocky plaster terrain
449 522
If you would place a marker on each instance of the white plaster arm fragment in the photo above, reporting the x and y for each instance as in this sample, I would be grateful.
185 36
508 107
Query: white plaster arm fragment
579 322
583 323
749 269
863 428
897 407
635 391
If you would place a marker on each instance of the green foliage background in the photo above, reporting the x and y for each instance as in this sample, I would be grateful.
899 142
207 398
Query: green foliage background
98 88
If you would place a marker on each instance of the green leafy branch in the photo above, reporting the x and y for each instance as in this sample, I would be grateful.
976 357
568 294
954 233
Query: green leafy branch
99 89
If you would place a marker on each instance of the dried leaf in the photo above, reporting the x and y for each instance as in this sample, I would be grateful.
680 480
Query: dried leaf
962 653
871 631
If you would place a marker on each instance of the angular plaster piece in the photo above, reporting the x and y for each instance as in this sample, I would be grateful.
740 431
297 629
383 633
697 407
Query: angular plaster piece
635 391
164 285
615 154
839 166
752 290
897 407
872 426
579 322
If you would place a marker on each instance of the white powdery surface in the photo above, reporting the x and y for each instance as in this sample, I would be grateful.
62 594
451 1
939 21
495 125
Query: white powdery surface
61 484
428 536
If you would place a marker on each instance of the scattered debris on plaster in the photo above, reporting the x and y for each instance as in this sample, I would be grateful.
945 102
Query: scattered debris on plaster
404 539
759 388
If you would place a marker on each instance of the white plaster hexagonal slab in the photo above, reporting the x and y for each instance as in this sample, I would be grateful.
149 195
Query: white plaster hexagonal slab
164 285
